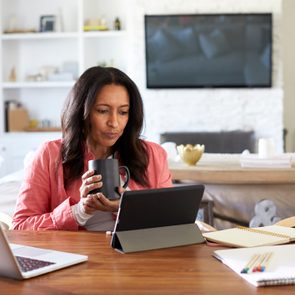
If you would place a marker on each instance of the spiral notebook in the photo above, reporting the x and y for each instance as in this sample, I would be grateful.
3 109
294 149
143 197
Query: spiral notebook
280 271
252 237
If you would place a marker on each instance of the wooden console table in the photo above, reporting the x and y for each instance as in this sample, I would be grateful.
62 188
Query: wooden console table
180 270
232 174
235 190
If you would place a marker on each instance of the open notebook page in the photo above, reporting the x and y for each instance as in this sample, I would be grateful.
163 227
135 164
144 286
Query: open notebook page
252 237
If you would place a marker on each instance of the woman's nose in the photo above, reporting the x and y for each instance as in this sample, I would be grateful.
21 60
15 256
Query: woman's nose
113 120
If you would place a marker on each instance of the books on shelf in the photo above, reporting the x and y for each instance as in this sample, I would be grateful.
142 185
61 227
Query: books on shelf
280 268
252 237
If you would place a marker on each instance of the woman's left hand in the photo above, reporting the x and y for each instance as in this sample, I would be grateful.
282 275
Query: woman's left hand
100 202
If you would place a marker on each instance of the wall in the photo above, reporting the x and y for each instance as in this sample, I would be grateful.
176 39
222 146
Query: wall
207 109
289 72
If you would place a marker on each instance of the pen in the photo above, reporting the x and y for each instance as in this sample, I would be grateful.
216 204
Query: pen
258 263
251 263
264 262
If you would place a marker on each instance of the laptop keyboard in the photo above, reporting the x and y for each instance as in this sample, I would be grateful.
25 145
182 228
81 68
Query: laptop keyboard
27 264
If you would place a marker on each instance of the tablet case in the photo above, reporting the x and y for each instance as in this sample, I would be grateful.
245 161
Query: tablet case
158 218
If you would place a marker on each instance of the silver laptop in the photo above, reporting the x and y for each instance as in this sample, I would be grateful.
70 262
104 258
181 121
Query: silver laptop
23 262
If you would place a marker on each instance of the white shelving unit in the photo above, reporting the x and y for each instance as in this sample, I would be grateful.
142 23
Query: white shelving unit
31 53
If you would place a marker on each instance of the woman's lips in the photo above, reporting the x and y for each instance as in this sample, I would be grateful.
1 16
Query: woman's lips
111 135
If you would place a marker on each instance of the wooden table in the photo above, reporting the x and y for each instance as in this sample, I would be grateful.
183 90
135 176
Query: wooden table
180 270
222 173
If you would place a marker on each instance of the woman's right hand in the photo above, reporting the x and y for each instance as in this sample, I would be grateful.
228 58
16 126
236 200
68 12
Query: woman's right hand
90 181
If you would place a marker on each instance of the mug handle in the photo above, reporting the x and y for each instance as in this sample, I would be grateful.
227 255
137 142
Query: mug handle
127 172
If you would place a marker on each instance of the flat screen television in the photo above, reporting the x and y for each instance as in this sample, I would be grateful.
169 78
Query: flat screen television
208 50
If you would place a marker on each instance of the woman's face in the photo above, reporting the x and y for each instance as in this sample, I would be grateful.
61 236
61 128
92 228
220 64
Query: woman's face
109 115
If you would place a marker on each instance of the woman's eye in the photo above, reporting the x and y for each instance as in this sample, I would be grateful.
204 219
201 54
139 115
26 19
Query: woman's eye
124 113
102 111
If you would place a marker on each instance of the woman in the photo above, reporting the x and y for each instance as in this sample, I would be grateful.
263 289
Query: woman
102 118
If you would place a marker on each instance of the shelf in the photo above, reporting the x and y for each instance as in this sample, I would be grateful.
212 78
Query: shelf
39 36
49 129
61 35
98 34
33 132
45 84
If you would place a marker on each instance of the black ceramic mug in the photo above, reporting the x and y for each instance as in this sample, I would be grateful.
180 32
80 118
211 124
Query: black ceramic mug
109 169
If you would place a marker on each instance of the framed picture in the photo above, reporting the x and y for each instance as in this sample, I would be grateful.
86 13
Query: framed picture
47 23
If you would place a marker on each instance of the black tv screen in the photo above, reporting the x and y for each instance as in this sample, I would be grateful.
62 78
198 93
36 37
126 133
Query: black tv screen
208 50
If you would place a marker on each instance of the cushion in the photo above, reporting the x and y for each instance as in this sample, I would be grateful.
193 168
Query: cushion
214 44
9 188
254 37
265 56
186 40
162 46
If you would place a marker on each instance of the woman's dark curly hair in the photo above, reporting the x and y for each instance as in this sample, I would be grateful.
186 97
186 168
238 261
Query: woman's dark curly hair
75 119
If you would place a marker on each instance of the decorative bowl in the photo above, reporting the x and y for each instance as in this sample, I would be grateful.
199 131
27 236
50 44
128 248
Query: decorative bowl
190 154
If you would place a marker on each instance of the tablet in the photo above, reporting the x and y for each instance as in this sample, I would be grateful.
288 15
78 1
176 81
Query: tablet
147 214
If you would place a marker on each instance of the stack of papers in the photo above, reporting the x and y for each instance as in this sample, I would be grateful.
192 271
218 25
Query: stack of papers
253 161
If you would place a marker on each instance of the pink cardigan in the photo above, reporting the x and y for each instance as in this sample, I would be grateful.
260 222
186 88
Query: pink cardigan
44 203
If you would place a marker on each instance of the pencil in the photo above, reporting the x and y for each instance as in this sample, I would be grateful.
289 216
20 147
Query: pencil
266 261
258 263
254 258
